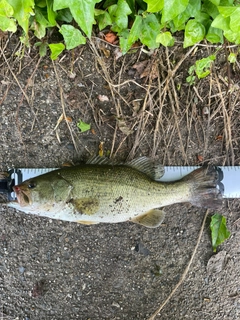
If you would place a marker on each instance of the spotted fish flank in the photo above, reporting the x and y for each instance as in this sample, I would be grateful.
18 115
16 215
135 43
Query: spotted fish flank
102 192
87 206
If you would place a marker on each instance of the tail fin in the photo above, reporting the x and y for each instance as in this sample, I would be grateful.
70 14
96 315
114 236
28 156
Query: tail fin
206 187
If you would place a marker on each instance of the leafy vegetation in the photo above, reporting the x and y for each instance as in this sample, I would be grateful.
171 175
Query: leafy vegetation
152 22
83 126
219 231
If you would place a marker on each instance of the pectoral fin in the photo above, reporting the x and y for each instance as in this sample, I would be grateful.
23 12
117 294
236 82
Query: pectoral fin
150 219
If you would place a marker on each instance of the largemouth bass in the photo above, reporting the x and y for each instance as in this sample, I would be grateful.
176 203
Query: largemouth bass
94 193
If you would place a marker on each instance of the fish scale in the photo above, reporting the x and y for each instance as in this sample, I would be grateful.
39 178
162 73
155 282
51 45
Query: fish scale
116 201
94 193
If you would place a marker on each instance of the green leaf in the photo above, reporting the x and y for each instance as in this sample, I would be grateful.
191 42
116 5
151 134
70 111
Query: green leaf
72 36
6 12
194 32
193 7
64 15
39 23
154 5
42 48
221 23
192 10
203 18
219 231
226 11
214 35
203 66
23 9
83 126
103 18
7 24
81 10
173 8
51 13
165 38
226 2
41 3
231 36
191 79
235 20
56 49
215 2
210 9
127 39
150 30
119 15
232 58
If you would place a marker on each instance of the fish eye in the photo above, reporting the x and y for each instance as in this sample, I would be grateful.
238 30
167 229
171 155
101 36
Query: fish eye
32 184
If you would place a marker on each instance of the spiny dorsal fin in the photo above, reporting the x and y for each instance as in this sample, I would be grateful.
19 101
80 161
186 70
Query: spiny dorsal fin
102 161
143 164
148 166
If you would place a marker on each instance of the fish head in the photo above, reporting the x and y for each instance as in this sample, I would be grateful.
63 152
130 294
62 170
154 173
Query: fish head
34 193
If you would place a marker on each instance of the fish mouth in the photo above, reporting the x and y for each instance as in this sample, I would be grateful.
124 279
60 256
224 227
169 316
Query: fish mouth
22 196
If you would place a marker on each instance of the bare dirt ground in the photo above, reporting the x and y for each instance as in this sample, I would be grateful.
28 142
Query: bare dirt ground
58 270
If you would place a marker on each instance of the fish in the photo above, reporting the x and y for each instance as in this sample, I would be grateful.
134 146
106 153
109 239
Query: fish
102 192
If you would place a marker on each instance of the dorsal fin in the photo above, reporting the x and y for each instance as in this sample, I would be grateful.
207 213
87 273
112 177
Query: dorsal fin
102 161
145 165
148 166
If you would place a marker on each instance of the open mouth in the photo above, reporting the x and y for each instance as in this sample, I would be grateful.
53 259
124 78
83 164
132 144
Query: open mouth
22 197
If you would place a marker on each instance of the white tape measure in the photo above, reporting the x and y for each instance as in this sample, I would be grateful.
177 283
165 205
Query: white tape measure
231 177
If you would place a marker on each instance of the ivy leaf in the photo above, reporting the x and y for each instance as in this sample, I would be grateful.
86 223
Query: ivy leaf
6 12
149 31
219 231
83 126
214 35
127 39
235 20
154 5
216 2
226 11
173 8
51 13
103 18
23 9
64 15
42 48
81 10
39 24
232 58
193 7
7 24
194 32
72 36
56 49
203 66
119 15
210 9
165 38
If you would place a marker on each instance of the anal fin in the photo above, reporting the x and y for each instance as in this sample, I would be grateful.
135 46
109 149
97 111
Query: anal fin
150 219
87 222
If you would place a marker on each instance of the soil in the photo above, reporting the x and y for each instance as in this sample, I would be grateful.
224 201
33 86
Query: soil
51 269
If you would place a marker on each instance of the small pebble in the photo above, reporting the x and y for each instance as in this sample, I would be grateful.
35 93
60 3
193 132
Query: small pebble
21 269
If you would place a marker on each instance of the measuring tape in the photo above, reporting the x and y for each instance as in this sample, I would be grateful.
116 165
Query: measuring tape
231 176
